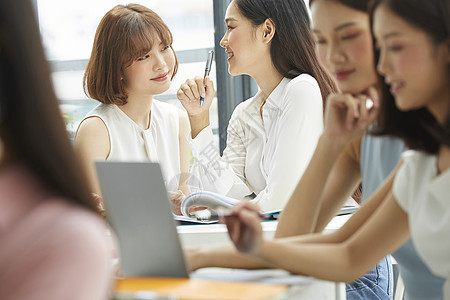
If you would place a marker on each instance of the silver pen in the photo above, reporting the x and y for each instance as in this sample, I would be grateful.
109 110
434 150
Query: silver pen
209 215
207 70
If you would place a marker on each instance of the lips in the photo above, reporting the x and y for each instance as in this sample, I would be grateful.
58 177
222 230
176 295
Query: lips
230 54
343 75
162 77
396 87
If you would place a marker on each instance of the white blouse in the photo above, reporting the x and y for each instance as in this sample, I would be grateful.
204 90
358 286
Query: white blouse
425 197
158 143
267 154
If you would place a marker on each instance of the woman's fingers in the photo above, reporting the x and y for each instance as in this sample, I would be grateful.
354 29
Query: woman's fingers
209 86
200 86
374 96
363 110
194 87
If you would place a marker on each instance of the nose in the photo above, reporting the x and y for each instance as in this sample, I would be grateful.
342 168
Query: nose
383 64
159 62
335 55
224 40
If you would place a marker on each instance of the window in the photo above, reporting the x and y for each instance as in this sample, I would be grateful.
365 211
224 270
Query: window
68 30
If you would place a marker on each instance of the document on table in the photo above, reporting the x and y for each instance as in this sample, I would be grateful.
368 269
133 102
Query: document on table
272 276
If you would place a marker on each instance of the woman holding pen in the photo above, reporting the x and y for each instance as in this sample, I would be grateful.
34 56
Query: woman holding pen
272 42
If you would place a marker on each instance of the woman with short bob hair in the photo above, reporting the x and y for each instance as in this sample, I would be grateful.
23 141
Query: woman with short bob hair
133 60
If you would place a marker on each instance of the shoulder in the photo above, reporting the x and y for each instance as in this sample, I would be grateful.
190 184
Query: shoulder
92 128
70 220
303 91
304 81
101 110
417 160
416 169
94 121
249 105
79 233
76 245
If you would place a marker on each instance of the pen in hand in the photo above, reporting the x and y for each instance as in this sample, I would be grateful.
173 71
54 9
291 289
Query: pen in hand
209 215
207 70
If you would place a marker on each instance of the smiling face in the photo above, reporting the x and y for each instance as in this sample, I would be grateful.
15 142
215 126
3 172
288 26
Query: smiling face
245 51
416 69
150 74
344 44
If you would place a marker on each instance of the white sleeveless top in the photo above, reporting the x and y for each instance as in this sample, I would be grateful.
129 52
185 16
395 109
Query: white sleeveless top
158 143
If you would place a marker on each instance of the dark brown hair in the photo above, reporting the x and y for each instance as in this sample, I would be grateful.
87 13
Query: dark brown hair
31 125
293 47
418 128
124 34
361 5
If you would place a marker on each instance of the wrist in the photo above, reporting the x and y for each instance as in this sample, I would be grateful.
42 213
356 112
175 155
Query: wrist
198 123
261 249
332 144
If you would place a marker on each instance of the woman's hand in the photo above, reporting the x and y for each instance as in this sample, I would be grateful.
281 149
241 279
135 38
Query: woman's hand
347 116
244 227
176 198
189 95
190 92
98 200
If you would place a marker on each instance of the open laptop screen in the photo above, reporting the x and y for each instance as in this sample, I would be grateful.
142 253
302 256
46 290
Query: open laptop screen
139 211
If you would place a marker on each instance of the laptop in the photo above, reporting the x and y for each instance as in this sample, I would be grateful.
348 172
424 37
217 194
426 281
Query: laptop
139 211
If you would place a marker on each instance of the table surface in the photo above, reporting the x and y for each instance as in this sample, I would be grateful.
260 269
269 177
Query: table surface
216 234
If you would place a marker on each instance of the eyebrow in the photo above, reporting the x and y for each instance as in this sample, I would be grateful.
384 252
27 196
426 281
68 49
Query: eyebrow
230 20
345 25
342 26
390 34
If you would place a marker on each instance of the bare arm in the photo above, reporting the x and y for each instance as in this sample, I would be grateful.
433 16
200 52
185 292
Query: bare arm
385 231
346 255
91 144
342 182
228 256
328 181
326 184
185 152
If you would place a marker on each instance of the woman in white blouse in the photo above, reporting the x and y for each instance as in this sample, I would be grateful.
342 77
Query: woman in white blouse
132 60
415 200
272 136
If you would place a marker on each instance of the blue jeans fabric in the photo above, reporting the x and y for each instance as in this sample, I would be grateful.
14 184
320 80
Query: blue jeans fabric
376 284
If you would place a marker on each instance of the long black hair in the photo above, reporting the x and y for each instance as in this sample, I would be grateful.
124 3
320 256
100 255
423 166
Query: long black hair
418 128
31 125
361 5
293 47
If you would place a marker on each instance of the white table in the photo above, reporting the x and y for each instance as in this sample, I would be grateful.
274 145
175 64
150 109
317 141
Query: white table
216 234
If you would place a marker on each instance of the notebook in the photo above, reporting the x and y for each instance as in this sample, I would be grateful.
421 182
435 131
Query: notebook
139 211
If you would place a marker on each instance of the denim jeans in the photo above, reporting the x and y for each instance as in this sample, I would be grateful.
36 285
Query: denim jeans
376 284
